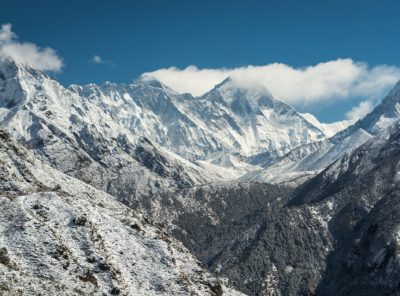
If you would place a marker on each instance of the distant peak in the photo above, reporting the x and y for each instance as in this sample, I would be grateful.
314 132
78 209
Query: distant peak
395 92
233 84
8 65
226 81
10 68
108 84
151 81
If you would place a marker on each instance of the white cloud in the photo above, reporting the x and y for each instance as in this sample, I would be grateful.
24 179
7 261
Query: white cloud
96 59
44 59
6 34
359 111
332 80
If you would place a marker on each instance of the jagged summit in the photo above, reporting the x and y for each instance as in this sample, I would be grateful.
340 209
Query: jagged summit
231 117
151 81
20 83
232 83
232 89
383 116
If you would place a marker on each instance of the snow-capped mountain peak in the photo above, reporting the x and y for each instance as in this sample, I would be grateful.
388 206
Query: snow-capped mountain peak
244 97
383 116
232 88
238 119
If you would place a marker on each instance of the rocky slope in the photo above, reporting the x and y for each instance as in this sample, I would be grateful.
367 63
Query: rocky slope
60 236
335 235
252 239
364 189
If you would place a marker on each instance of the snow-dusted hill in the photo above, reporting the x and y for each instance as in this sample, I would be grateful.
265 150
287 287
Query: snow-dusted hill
60 236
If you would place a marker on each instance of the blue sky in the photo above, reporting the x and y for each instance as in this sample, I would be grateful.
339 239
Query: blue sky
133 37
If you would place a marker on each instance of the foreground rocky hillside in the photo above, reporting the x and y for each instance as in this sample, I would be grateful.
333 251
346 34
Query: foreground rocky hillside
363 188
60 236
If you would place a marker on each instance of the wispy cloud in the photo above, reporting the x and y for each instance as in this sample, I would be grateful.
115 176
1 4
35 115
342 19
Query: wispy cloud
359 111
41 58
96 59
332 80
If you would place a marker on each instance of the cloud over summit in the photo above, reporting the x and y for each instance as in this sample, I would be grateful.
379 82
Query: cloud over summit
332 80
40 58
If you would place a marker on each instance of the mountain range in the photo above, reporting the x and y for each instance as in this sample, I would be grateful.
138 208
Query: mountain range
135 189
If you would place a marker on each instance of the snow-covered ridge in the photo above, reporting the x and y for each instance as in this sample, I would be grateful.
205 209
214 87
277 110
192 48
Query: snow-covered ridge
229 132
244 123
229 118
79 137
330 129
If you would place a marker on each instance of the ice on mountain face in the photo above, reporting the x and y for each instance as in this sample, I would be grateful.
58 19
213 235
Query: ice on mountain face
330 129
10 91
264 122
230 90
384 122
230 118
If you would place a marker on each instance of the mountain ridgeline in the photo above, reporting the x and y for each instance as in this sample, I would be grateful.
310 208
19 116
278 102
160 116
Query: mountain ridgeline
136 189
